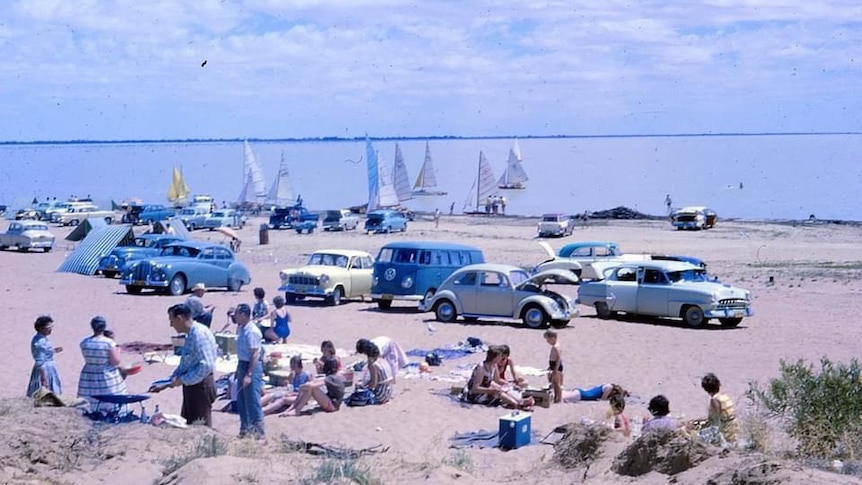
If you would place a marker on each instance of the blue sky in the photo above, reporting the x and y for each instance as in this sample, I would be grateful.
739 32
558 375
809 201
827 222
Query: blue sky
127 69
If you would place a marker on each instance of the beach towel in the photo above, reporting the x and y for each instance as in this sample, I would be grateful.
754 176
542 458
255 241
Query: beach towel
484 439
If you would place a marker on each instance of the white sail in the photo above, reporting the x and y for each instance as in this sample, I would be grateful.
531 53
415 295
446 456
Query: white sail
247 194
386 195
400 179
426 182
484 185
514 176
281 193
258 192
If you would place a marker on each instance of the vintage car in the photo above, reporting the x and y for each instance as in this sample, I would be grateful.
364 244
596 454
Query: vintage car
339 220
27 214
26 235
385 221
147 214
76 214
502 291
695 217
586 259
144 246
673 289
223 218
331 274
45 209
556 225
287 217
183 264
194 217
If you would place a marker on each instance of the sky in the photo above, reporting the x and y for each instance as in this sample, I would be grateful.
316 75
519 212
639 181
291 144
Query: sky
179 69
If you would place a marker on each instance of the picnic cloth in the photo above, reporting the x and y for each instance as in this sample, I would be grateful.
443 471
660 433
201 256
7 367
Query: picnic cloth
453 351
484 439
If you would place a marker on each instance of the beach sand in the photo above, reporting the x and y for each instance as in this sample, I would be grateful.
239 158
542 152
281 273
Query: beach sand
808 311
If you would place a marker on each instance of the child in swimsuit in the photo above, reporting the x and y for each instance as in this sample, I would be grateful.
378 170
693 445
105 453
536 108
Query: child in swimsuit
555 365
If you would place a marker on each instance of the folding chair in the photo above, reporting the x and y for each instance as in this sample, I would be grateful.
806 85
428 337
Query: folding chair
119 407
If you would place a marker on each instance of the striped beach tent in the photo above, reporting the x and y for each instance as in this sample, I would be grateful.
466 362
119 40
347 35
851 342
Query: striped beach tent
84 228
98 243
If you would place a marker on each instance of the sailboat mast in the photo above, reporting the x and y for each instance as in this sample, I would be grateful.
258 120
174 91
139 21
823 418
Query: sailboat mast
479 181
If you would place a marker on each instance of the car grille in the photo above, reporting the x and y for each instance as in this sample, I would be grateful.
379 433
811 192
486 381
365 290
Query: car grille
141 272
304 280
733 304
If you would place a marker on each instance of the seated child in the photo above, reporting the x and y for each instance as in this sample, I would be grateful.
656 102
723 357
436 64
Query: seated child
621 422
280 399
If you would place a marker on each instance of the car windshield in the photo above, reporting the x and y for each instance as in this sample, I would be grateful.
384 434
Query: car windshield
326 259
688 275
376 217
35 227
550 218
518 277
143 242
219 214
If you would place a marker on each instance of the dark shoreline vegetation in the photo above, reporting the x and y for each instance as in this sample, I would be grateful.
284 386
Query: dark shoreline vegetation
330 139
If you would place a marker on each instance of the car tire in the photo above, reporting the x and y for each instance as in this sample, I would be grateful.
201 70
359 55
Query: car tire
730 322
73 222
335 298
191 227
3 248
289 298
177 286
559 323
428 294
602 311
384 304
445 311
693 316
234 284
47 250
133 290
110 274
535 316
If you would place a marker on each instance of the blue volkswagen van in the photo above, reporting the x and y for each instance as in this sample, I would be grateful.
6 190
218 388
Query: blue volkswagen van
412 270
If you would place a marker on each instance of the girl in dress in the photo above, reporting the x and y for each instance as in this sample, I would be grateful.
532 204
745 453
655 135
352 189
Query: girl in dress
44 373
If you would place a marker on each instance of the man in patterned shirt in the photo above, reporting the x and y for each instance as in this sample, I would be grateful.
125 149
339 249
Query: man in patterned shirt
195 372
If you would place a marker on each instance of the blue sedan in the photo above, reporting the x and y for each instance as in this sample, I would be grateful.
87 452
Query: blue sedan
145 246
183 264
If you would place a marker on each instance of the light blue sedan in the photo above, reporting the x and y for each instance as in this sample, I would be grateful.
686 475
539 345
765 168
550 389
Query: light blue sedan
182 265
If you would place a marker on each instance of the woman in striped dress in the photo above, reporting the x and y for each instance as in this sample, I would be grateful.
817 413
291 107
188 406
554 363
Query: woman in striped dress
101 373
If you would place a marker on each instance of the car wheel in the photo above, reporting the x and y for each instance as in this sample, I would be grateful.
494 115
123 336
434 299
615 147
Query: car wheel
335 298
388 230
177 286
535 317
602 310
73 222
445 311
289 298
384 304
730 322
3 248
191 227
428 294
234 284
133 290
559 323
47 250
693 316
109 274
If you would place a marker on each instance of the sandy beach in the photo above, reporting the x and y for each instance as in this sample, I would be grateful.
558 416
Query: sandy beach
807 311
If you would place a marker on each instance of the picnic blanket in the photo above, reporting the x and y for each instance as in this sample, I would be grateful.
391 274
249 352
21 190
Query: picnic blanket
484 439
227 364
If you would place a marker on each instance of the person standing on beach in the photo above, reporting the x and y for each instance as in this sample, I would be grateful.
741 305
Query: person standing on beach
555 365
195 371
44 373
452 208
101 373
668 203
249 374
436 218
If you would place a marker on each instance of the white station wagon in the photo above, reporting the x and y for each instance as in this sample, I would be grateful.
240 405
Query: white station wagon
673 289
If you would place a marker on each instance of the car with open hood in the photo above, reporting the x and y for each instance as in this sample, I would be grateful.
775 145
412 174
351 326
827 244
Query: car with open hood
331 274
587 259
144 246
183 264
502 291
385 221
693 217
673 289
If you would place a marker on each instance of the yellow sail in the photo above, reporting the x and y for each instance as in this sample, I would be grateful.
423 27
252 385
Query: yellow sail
178 191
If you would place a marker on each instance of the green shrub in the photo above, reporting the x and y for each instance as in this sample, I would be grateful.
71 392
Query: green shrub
821 409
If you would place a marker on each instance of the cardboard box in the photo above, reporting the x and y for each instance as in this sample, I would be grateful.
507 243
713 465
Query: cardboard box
541 396
226 343
279 378
515 430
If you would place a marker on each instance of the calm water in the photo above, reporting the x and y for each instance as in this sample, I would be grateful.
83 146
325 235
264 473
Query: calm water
781 176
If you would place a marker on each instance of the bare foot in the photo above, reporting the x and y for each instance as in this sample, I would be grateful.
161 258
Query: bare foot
289 412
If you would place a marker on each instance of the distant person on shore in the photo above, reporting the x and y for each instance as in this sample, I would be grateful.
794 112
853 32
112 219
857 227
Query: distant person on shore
668 202
436 218
452 209
503 205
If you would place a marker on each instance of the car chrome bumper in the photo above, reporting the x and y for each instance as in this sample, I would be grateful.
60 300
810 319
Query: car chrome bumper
306 290
389 296
147 283
729 313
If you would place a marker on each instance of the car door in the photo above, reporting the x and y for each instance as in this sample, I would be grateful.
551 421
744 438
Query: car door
361 271
623 288
494 294
653 292
464 287
209 270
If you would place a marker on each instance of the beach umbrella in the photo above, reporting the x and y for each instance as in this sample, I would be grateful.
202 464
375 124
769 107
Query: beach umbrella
228 232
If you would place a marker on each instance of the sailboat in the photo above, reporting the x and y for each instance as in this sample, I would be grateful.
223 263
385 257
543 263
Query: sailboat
381 193
426 182
483 188
514 176
246 196
281 193
178 192
258 189
400 179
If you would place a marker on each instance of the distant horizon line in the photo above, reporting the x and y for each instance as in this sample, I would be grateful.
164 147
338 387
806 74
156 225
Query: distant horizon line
414 138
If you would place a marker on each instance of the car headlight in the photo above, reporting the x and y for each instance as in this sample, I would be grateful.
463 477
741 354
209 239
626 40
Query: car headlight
407 282
324 279
374 281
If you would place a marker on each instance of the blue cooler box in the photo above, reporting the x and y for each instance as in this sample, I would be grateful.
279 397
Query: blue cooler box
515 430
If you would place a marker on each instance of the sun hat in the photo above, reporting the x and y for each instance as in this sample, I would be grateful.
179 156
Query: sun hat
199 286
